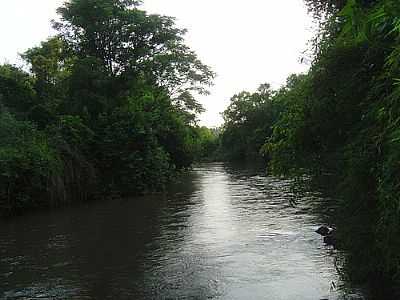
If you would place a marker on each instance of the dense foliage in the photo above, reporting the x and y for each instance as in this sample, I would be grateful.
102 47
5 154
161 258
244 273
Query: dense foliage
108 105
248 121
341 119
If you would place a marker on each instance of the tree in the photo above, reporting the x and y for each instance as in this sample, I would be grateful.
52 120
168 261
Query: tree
323 8
248 123
131 44
108 105
16 90
50 64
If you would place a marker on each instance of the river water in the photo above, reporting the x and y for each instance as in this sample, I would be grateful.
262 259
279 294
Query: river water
221 233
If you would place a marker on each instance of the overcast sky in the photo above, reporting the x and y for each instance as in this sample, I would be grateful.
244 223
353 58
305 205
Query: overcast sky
245 42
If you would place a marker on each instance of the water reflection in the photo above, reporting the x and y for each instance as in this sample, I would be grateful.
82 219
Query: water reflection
221 233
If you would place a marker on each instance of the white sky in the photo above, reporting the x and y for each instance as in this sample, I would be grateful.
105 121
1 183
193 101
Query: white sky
245 42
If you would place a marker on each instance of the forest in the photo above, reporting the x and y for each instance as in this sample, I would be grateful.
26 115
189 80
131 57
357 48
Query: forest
108 107
338 122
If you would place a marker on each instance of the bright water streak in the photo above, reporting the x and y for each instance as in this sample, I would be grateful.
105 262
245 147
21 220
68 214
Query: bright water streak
222 233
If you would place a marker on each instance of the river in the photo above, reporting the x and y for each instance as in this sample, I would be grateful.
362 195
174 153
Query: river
220 233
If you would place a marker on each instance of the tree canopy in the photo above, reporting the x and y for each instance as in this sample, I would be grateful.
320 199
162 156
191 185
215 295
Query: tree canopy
109 104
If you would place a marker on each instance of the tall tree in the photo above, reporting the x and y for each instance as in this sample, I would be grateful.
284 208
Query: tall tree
50 64
131 44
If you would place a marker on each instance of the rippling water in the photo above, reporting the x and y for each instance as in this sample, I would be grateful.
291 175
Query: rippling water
222 233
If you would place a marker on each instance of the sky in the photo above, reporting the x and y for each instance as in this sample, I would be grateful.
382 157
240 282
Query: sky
246 43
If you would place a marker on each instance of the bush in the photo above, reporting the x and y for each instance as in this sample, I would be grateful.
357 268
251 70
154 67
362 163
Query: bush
29 165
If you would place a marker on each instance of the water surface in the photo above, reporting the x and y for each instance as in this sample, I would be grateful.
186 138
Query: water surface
221 233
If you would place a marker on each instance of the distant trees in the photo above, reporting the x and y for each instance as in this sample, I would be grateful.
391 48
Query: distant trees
208 144
248 123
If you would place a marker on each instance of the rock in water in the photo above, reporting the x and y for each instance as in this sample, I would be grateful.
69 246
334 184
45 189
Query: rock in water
330 240
324 230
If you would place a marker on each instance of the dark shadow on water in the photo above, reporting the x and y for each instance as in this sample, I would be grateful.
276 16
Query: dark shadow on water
96 251
354 232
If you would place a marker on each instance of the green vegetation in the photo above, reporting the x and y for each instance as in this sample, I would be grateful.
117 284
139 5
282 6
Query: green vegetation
108 106
248 121
340 120
208 144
